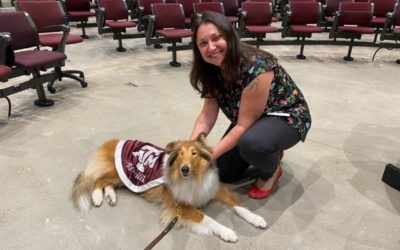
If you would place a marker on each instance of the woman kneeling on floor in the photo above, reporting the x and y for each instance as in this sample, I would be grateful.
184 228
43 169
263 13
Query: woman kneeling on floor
268 112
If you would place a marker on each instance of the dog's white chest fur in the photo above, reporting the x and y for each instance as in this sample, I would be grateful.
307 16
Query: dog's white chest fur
196 193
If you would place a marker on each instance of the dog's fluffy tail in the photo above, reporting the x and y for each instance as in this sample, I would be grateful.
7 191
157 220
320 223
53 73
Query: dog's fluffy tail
82 192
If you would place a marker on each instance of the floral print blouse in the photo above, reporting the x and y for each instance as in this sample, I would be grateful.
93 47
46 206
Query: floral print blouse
284 96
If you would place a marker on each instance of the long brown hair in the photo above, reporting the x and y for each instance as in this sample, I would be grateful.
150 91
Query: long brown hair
206 78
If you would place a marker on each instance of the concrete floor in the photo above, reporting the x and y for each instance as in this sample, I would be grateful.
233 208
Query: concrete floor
330 196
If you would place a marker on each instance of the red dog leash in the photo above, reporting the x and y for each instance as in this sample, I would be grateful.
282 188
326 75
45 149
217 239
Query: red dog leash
166 230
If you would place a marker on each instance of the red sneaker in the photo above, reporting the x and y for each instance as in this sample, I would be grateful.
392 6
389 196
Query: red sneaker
258 193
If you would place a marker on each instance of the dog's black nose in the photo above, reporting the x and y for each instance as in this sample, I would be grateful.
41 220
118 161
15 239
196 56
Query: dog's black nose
185 170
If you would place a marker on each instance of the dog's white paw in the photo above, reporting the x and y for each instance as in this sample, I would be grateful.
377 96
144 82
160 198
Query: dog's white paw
110 195
258 221
222 231
97 197
228 235
250 217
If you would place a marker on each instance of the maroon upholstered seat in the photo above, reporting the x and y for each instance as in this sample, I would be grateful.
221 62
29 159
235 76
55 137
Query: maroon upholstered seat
381 8
305 29
188 9
114 14
208 6
356 30
273 2
302 20
55 39
46 21
169 22
38 58
255 20
330 7
79 10
120 24
260 29
351 22
144 10
53 29
24 60
4 71
79 14
378 21
174 33
231 9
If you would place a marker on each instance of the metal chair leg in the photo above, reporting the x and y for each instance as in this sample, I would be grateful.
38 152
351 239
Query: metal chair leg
348 57
84 36
301 56
174 62
42 101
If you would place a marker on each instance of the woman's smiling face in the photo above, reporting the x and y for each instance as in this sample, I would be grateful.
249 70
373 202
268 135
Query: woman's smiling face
212 45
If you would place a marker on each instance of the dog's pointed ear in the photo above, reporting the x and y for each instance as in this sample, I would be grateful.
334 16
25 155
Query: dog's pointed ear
202 138
206 154
170 147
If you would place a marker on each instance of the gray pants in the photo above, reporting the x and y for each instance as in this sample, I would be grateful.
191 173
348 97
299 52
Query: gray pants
259 146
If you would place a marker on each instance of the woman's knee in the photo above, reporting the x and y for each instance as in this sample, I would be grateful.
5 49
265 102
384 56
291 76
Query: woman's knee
251 146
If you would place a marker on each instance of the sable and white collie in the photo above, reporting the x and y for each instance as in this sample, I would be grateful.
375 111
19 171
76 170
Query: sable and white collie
185 182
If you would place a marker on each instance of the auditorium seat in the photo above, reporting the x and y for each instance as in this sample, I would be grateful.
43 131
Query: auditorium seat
351 22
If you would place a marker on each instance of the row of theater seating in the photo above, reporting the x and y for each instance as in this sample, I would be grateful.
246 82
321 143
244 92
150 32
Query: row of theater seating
304 18
163 23
255 18
301 19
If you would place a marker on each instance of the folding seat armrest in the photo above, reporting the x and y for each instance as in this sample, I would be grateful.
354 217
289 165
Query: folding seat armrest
389 15
323 9
100 13
140 18
65 30
387 26
286 23
334 25
59 27
140 10
196 17
5 44
242 17
63 6
150 29
389 19
242 14
5 39
321 16
131 7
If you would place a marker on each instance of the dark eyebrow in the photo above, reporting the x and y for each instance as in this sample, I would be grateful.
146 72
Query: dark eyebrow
216 34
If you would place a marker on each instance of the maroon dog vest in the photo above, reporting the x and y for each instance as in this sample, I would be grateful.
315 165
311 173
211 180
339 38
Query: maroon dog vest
139 164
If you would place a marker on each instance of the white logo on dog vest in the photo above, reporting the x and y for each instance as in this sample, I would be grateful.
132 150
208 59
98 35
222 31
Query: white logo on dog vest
147 157
139 164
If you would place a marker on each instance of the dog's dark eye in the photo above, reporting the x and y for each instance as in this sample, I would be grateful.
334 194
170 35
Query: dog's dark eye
194 153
